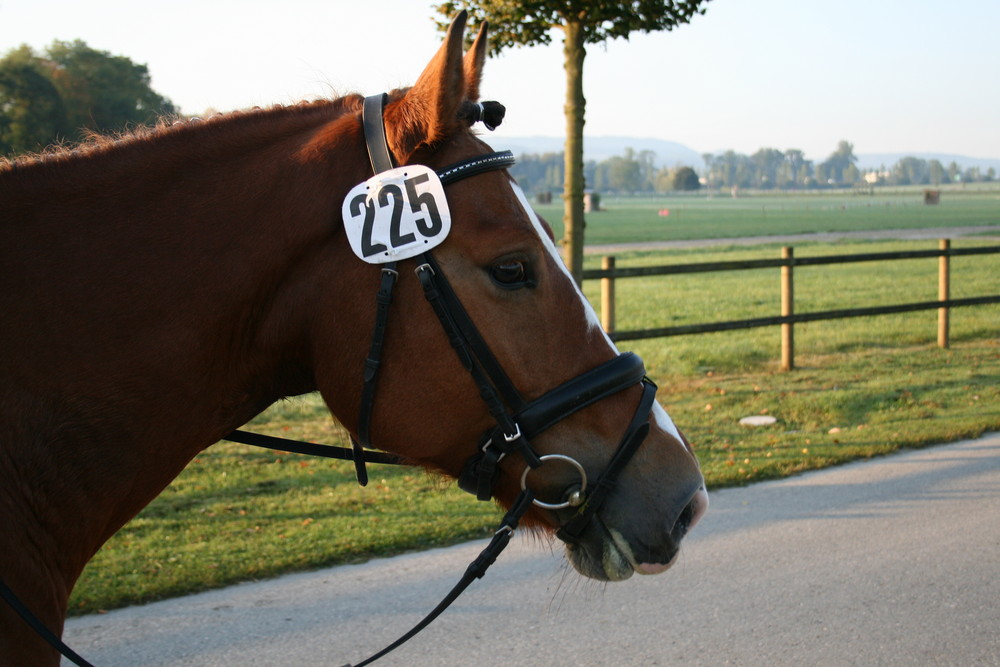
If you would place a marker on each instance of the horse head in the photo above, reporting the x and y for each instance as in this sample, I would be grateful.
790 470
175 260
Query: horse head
501 269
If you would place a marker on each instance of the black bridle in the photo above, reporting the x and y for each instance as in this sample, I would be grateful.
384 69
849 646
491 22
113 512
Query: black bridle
518 420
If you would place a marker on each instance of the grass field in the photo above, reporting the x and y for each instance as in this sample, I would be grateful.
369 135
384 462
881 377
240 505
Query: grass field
863 387
664 301
701 216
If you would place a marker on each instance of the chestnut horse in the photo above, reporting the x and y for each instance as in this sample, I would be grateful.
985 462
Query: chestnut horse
159 290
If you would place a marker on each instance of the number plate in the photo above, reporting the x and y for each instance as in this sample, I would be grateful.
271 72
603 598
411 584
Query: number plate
396 214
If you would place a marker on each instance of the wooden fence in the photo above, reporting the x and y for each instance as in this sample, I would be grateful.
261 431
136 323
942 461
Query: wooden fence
787 320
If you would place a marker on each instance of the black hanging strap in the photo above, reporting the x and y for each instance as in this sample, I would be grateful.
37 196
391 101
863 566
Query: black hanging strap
310 448
476 570
383 300
39 627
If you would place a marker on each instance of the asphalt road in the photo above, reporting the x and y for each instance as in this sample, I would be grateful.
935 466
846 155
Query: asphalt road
894 561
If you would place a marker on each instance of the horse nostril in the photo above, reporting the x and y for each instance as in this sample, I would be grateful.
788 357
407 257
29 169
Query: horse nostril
683 523
691 514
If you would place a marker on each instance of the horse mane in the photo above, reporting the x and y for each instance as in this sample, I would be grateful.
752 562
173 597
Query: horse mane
225 127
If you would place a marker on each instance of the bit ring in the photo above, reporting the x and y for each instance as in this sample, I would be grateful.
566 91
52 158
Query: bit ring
575 498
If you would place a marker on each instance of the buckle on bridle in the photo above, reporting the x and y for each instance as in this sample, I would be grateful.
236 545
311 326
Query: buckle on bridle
485 449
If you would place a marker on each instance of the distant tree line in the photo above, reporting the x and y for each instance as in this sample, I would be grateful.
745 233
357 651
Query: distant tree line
69 91
629 173
766 169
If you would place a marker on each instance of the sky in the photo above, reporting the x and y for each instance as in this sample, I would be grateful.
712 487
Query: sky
890 76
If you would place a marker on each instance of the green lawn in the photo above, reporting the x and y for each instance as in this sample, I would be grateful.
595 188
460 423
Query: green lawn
702 216
864 387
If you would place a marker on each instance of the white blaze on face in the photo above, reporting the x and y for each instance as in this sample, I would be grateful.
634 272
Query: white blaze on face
663 420
592 319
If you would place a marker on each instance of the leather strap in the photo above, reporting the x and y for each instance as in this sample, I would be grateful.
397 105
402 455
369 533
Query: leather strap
309 448
466 168
471 349
40 628
598 492
383 300
459 325
609 378
371 120
476 570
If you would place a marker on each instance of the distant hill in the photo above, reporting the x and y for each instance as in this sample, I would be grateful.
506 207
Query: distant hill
672 153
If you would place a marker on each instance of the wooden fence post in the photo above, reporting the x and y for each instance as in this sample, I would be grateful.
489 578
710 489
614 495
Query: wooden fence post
608 296
787 310
944 289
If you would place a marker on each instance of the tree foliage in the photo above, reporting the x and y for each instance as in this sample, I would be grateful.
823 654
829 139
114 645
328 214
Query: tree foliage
582 22
837 167
531 22
32 113
69 91
686 179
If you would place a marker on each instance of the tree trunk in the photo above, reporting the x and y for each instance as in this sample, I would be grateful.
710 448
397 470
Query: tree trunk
574 53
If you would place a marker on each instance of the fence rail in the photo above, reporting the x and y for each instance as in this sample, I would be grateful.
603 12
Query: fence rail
787 320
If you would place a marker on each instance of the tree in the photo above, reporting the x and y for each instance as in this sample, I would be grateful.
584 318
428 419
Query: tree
686 179
624 172
104 92
797 169
937 172
71 90
767 162
32 114
837 162
911 171
582 22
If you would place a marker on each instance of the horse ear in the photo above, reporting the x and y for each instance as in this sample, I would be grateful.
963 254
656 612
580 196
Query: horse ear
473 64
427 113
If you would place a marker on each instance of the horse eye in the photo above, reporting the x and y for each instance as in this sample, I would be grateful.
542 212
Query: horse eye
510 274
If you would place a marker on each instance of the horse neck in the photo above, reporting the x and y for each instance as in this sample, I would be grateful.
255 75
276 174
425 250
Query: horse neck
183 273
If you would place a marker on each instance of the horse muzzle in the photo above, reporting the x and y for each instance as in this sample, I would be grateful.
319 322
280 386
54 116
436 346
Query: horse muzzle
614 545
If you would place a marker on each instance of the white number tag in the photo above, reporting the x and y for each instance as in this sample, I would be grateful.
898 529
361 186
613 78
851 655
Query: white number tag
396 214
